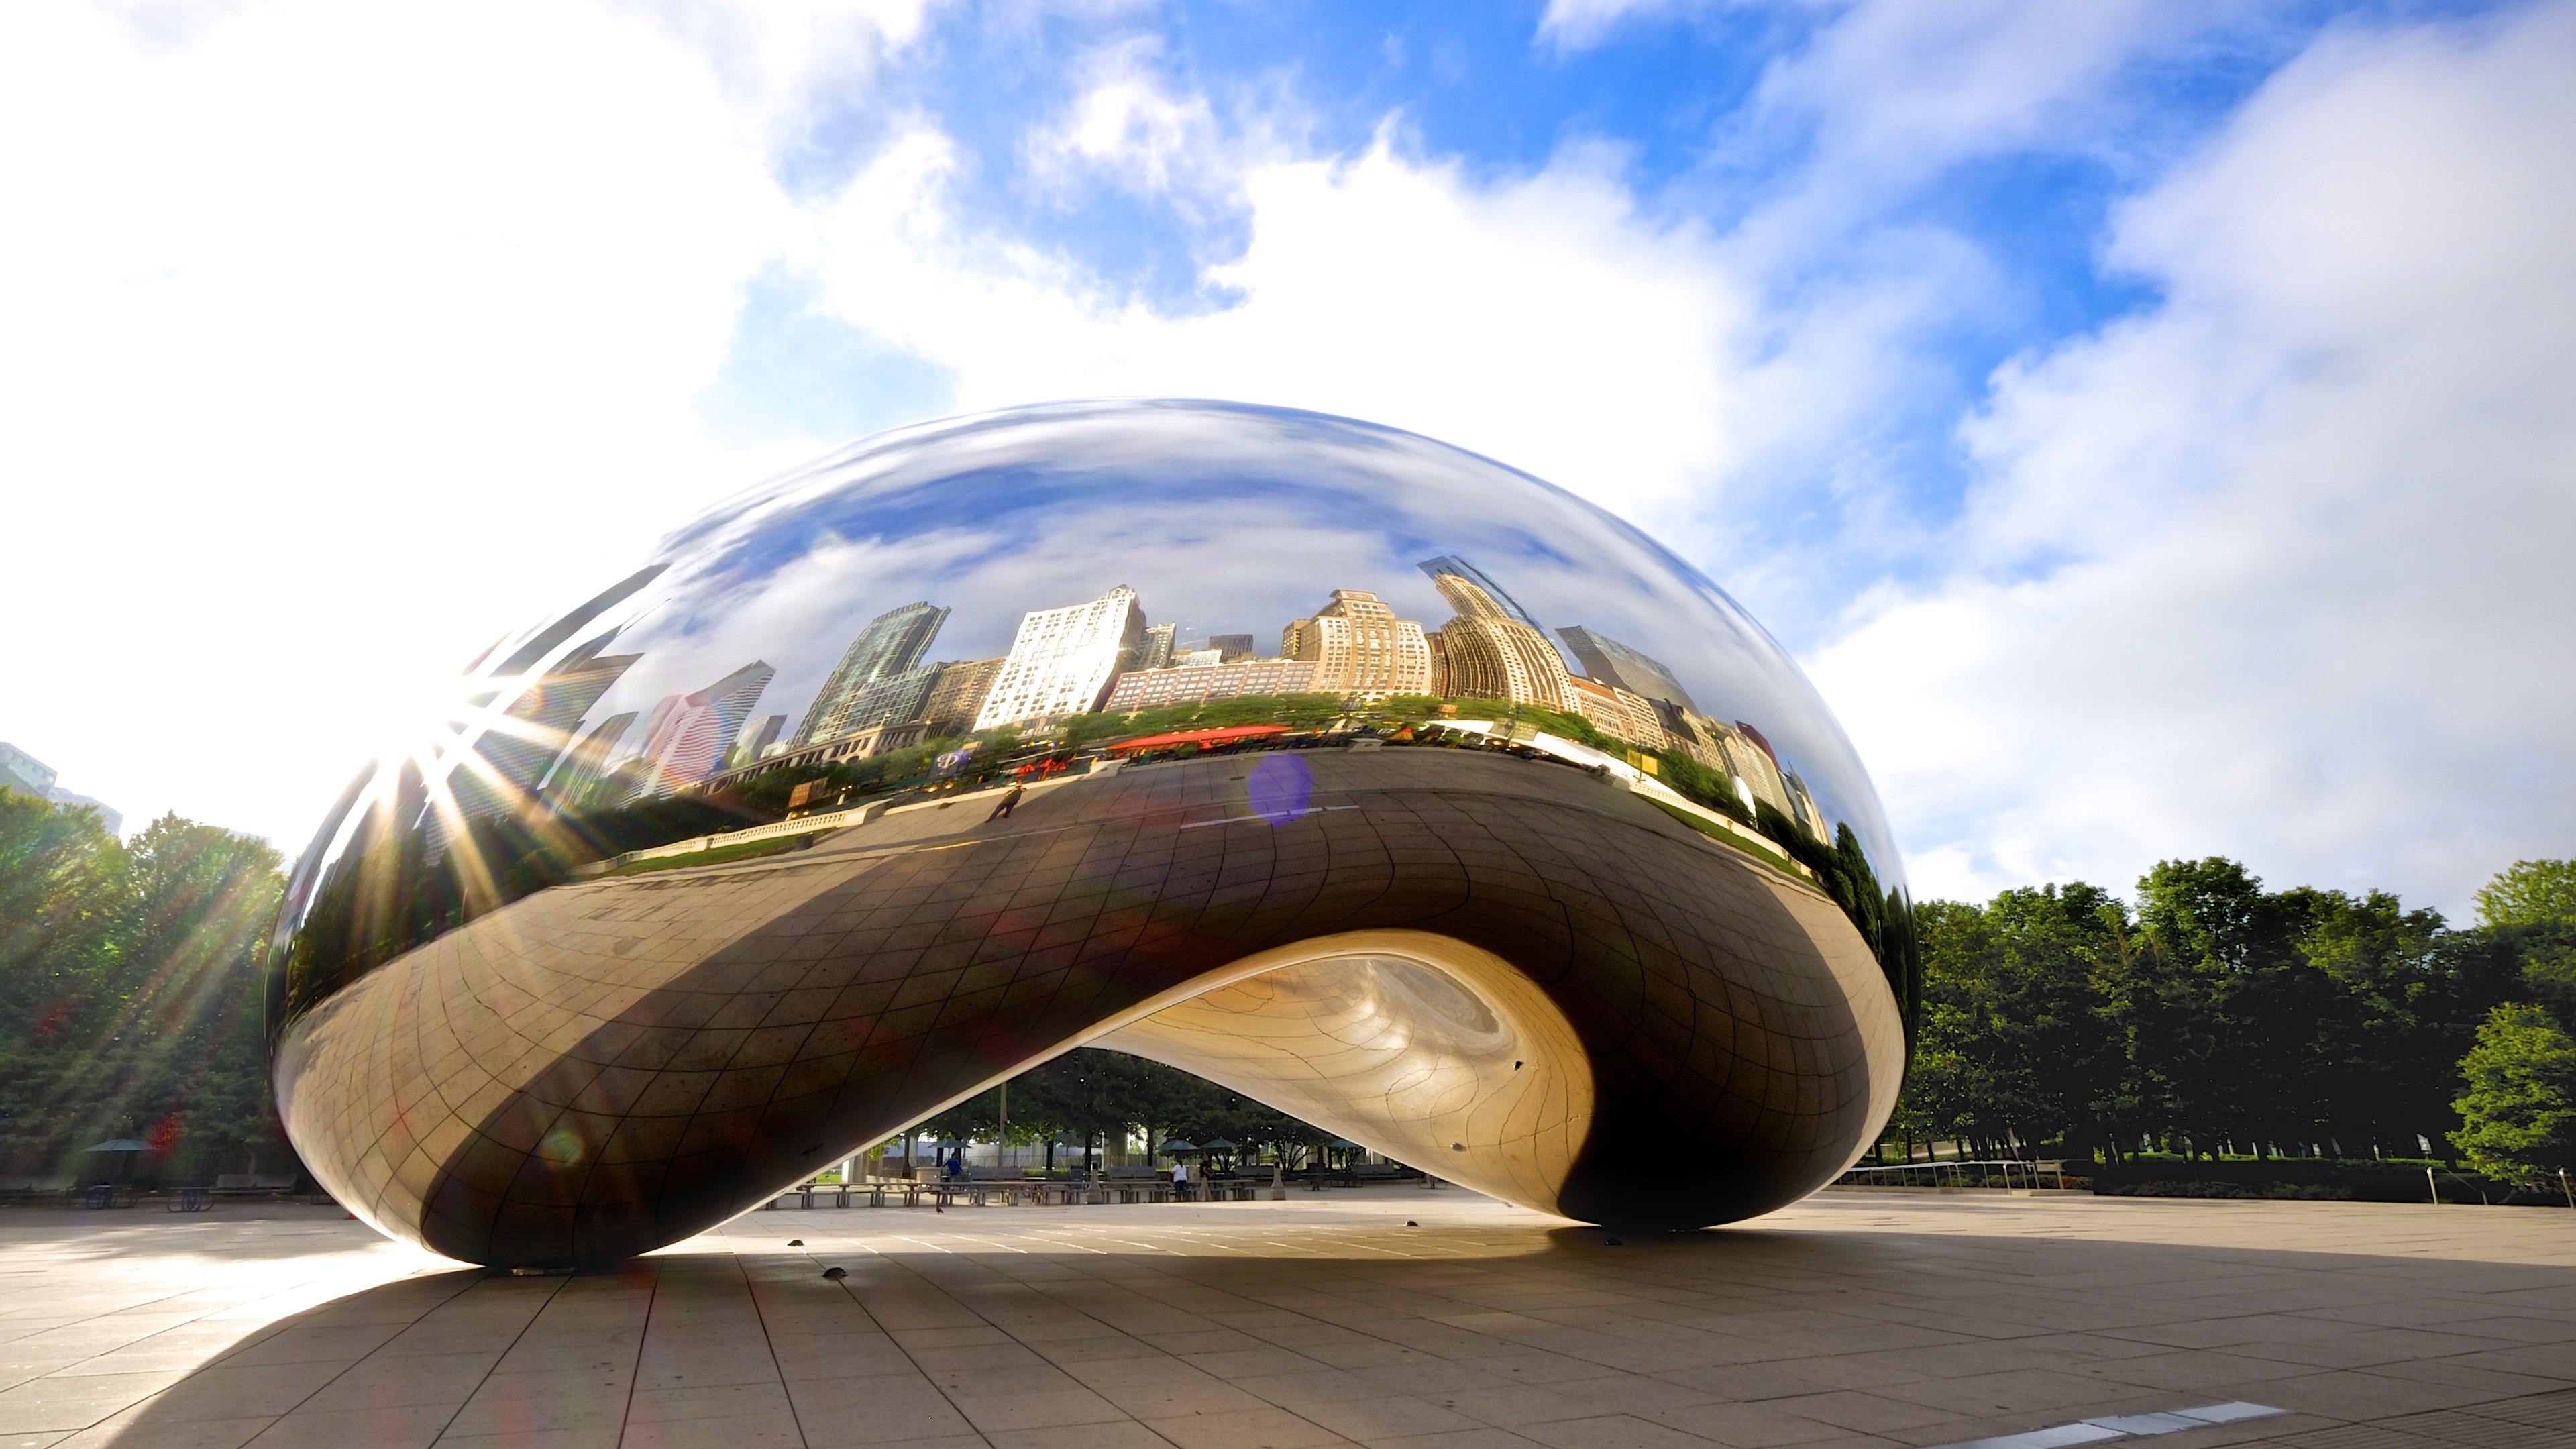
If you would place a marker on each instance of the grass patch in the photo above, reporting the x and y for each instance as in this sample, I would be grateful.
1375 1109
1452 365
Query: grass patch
1773 859
721 855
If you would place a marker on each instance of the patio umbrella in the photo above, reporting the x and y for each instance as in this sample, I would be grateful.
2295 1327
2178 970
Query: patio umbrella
125 1148
1218 1145
1176 1147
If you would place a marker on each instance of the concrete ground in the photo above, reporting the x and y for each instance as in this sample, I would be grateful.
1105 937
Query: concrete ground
1851 1319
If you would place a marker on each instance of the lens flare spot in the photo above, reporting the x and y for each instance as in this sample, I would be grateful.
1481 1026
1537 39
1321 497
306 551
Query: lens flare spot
1279 787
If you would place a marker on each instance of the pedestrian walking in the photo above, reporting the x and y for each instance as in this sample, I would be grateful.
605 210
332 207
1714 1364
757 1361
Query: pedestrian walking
1010 800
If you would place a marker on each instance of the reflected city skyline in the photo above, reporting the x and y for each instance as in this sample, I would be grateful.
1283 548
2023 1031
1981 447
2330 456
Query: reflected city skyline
1115 602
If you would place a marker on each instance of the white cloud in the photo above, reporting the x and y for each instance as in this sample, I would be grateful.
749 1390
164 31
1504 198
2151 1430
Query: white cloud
336 340
1581 24
1128 128
2278 568
1540 319
350 340
783 62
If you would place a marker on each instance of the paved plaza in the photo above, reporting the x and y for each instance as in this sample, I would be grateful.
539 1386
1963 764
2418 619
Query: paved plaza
1851 1319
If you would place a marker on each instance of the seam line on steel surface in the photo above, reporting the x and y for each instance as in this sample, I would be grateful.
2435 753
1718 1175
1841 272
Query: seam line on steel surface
1240 819
2120 1426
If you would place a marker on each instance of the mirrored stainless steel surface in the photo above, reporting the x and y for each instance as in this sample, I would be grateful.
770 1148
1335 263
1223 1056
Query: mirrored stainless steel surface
1372 778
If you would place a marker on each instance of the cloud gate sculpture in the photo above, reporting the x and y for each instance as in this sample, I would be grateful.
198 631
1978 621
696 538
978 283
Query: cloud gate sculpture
1368 777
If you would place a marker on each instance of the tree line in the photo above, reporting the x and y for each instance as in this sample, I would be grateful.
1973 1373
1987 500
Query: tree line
2204 1016
1071 1109
130 993
2210 1016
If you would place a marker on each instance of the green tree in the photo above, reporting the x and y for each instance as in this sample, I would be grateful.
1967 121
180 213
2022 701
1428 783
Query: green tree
2517 1105
129 984
2530 893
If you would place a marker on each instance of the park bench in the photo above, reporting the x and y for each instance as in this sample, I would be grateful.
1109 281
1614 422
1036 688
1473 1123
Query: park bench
252 1184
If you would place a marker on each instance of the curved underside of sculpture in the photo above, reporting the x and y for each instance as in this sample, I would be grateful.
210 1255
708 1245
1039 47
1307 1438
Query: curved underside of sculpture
1509 973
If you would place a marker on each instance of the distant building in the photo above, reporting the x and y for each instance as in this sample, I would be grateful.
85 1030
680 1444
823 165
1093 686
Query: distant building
957 695
1158 647
893 699
1453 567
1616 664
893 642
1231 648
687 743
1358 646
1736 751
1199 683
584 764
1196 658
757 742
519 747
25 773
1487 652
1810 818
108 819
1757 773
1062 660
1617 713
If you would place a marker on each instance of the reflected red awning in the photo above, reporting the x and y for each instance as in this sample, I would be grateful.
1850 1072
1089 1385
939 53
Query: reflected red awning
1226 735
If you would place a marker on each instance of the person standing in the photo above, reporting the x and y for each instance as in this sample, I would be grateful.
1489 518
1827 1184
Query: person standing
1180 1181
1010 802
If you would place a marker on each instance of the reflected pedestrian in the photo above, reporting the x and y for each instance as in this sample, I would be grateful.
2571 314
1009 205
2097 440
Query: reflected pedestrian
1010 800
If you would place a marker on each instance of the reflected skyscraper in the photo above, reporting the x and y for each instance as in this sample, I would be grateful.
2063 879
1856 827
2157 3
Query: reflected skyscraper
1614 663
757 742
584 764
1358 646
957 696
1158 647
687 743
892 643
539 724
1489 652
1454 567
1062 660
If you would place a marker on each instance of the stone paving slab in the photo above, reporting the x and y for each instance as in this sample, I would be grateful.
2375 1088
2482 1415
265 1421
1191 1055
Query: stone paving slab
1390 1317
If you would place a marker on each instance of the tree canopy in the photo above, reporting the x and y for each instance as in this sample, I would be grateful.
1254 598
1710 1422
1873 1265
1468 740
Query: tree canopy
129 975
2518 1103
2212 1015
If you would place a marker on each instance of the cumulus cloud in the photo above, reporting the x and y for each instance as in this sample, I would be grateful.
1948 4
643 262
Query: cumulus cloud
336 339
350 339
1540 319
2273 569
1128 126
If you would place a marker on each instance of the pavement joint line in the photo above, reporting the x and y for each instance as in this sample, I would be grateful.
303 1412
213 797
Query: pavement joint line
2120 1426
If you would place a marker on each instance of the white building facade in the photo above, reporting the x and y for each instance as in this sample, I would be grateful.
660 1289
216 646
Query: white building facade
1062 660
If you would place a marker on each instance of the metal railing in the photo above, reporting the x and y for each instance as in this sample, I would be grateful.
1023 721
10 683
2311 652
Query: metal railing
1032 1192
1974 1173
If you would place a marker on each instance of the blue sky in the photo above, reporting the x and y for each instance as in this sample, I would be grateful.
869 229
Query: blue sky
2145 421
